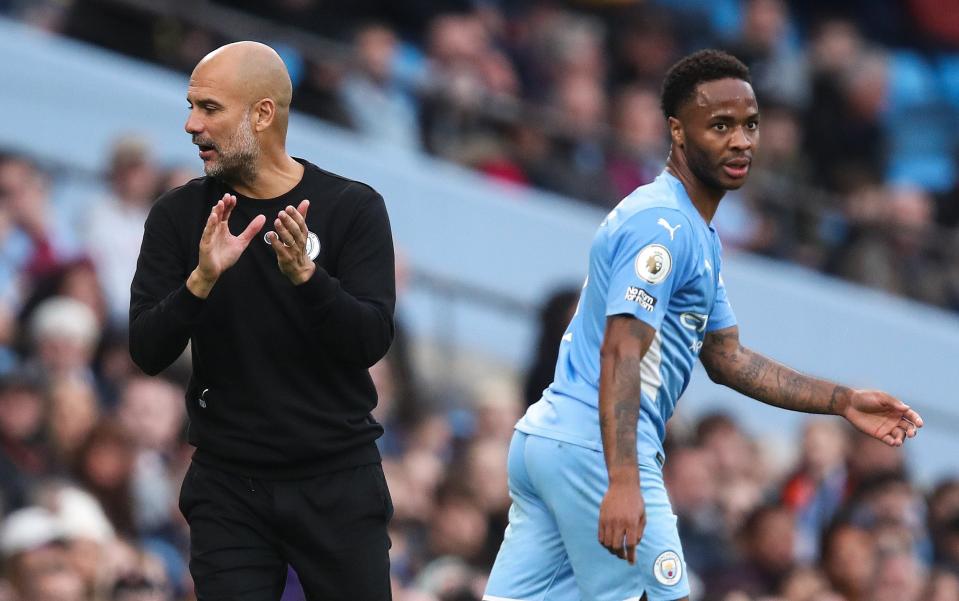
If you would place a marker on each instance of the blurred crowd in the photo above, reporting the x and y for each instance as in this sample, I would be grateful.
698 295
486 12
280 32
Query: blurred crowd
857 179
857 175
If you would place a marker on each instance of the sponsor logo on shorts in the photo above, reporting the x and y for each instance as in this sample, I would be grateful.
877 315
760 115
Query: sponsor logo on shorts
668 568
640 296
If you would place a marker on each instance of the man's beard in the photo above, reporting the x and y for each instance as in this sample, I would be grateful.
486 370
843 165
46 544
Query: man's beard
236 164
699 164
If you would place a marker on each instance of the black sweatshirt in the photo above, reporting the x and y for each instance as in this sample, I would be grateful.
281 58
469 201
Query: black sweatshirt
280 386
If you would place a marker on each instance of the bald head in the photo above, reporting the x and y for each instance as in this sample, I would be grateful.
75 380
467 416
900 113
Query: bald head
251 70
239 98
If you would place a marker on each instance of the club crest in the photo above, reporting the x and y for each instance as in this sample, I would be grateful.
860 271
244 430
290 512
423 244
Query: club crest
668 568
312 244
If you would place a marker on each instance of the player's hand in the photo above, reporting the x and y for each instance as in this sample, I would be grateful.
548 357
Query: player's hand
220 249
622 519
289 243
882 416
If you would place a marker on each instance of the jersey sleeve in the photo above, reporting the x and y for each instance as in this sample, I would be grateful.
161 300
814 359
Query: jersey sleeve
649 257
722 315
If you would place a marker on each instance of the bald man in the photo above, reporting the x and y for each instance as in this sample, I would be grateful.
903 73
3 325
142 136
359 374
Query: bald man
280 275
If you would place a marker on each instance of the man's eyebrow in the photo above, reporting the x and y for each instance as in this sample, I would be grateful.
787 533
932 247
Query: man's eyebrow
202 101
727 117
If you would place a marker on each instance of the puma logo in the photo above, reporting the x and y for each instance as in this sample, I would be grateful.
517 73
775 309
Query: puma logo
669 228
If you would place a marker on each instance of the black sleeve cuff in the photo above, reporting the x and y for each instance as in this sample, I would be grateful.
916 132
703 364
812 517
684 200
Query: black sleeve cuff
319 290
185 306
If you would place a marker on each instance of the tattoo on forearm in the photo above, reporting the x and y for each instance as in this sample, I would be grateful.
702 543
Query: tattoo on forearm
765 380
792 384
621 383
773 383
719 349
627 415
837 392
751 374
626 409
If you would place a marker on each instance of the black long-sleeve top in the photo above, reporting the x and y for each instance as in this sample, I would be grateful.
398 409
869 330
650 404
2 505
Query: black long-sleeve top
280 385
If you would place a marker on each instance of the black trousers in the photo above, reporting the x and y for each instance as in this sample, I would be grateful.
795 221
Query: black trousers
331 528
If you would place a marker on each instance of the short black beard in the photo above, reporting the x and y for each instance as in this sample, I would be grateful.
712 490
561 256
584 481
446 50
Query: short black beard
699 164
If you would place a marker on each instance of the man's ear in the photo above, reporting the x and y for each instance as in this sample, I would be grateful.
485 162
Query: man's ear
676 132
264 112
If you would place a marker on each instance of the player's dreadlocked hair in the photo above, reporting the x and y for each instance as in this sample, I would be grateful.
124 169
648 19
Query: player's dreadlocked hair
705 65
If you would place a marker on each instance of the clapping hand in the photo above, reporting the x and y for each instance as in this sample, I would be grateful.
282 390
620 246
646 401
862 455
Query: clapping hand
219 248
289 241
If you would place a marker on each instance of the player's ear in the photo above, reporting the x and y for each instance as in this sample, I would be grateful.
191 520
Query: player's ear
676 132
264 112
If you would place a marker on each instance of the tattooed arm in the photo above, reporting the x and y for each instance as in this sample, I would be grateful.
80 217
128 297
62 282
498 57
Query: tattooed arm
622 515
874 412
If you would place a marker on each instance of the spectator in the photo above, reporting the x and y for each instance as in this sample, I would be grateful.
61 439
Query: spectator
768 48
804 584
458 525
86 532
943 585
34 557
849 560
845 138
767 540
817 490
554 316
452 120
639 143
74 411
900 577
378 105
104 465
64 334
647 44
152 414
114 227
577 166
23 453
31 243
866 460
889 251
693 486
943 507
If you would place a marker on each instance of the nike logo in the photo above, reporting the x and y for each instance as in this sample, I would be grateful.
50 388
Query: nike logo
669 228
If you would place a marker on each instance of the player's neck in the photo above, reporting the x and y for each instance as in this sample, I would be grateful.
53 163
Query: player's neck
275 176
705 198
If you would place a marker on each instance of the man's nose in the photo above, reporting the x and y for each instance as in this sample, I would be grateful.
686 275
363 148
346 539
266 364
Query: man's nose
740 139
193 125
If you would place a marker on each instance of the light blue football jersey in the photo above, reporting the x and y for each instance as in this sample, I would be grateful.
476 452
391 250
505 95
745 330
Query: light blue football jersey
655 258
